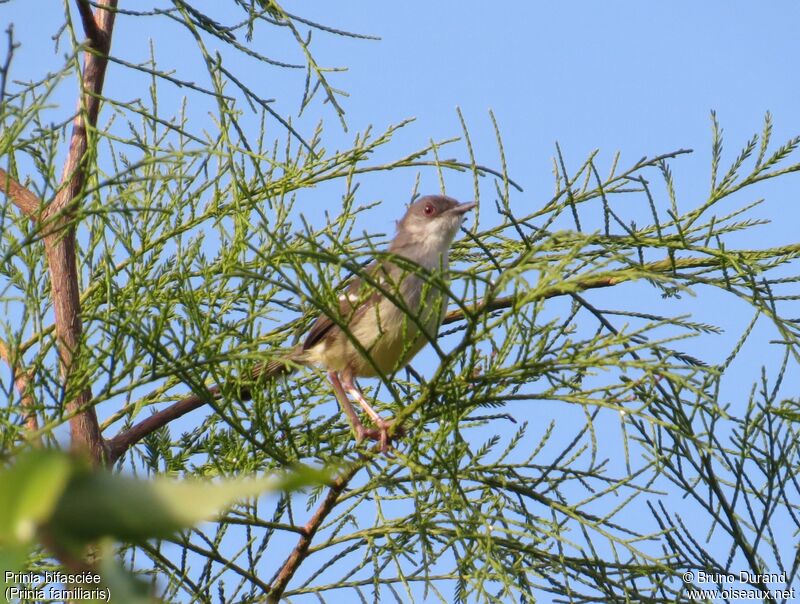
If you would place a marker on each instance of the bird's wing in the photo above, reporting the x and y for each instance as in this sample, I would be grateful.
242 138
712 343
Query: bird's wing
353 294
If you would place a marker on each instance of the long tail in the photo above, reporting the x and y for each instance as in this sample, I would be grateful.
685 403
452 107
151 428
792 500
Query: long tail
264 372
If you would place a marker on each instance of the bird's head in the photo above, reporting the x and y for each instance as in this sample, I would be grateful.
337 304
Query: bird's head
429 227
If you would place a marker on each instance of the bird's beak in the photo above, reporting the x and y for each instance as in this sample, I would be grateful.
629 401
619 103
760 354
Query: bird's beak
463 208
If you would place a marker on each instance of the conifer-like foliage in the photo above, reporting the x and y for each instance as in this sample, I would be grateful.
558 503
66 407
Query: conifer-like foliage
562 443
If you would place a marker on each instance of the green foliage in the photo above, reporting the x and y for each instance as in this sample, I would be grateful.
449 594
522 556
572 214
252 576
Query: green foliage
560 443
56 500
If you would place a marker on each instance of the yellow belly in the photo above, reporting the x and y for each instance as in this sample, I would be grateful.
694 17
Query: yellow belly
388 336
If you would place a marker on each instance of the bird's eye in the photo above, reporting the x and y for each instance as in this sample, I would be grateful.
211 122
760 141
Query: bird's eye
429 209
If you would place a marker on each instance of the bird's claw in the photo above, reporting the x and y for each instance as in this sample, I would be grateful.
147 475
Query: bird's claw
380 434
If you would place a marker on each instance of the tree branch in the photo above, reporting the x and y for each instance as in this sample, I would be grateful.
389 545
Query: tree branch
22 380
126 439
90 27
28 203
564 289
123 441
298 554
60 233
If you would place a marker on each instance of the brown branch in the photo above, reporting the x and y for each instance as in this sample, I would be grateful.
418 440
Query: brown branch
508 301
123 441
90 27
60 233
569 287
126 439
298 554
28 203
22 380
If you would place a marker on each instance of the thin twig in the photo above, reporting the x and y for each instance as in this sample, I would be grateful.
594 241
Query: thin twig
22 380
6 68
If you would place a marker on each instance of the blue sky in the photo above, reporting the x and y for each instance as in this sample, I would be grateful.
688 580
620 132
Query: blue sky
638 77
630 76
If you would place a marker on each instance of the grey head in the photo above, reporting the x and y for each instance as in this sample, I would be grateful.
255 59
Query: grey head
428 228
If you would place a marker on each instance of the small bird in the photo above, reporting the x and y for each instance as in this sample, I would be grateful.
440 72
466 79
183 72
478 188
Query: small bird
389 315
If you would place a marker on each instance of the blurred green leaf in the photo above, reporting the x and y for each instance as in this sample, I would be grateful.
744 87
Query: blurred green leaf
101 504
30 490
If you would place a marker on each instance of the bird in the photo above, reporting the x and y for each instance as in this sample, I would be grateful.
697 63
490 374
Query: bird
387 315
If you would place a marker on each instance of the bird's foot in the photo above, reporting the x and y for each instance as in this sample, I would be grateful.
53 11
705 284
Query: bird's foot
380 434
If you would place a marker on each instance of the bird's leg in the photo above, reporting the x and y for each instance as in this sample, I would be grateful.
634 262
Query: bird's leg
383 426
352 417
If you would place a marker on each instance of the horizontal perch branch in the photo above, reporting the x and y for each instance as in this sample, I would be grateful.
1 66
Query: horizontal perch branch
119 444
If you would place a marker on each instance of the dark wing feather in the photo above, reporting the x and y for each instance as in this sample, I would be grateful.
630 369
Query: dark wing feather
321 326
324 323
353 293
